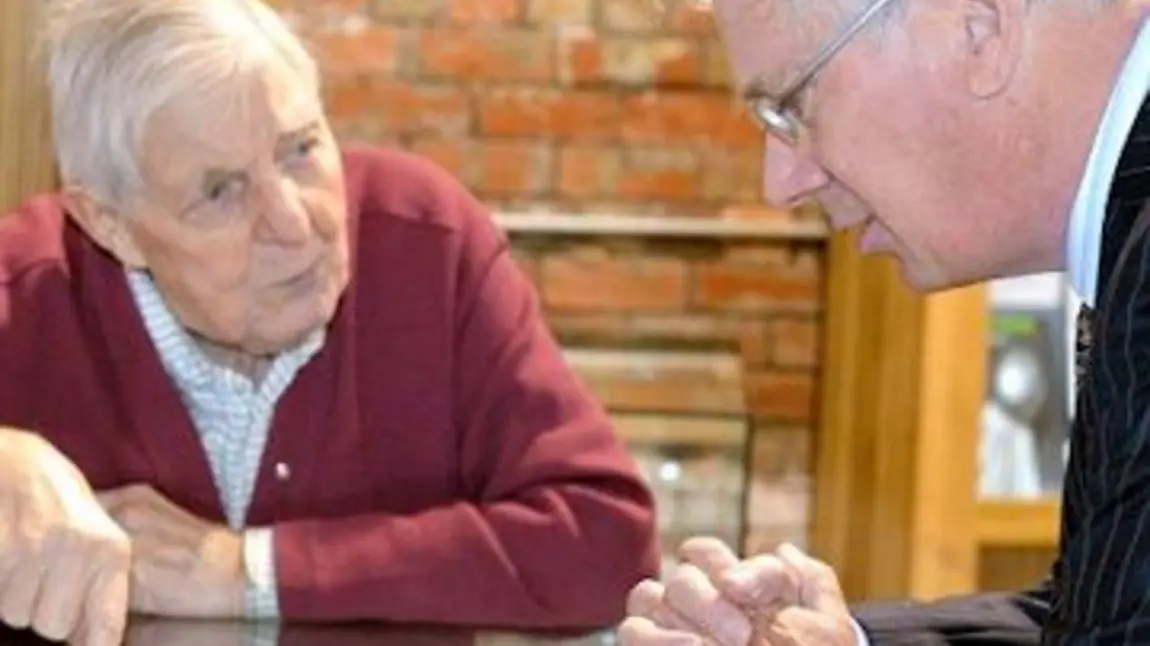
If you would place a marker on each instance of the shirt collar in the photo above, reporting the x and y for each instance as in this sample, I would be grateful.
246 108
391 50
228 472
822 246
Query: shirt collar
1084 231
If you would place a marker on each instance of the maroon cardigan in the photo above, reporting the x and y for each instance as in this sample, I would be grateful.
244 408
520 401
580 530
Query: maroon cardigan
446 465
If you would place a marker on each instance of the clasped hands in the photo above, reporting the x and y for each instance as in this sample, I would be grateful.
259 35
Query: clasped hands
784 598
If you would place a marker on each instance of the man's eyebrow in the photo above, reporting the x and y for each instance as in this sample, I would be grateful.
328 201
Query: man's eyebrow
757 88
215 177
295 133
210 180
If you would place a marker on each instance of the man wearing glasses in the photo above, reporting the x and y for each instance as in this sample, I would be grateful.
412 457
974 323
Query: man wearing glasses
970 140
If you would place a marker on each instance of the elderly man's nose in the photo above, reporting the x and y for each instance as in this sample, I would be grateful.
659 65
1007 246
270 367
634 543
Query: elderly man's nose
285 217
789 175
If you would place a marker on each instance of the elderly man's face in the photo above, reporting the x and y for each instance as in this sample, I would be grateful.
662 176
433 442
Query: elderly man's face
244 223
909 135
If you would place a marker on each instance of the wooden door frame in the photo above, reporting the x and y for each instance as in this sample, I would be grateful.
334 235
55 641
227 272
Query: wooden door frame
901 390
26 156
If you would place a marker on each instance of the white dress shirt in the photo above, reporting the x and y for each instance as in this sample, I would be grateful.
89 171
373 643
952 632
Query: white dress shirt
1084 233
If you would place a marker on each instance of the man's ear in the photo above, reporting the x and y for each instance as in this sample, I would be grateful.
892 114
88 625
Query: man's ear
106 227
995 31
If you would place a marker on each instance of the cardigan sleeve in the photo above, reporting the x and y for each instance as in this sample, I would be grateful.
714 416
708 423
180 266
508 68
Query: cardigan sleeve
559 524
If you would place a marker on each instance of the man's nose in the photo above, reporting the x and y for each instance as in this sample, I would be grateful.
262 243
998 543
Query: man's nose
790 175
284 215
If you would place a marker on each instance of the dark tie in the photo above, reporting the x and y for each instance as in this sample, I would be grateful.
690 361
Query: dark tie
1081 343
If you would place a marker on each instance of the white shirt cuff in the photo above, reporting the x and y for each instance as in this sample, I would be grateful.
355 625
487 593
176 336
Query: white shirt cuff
860 634
261 600
262 633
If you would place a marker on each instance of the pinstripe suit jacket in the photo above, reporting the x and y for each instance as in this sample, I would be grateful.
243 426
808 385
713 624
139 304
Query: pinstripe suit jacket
1099 589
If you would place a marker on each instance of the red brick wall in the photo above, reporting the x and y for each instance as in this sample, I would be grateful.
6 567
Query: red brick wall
597 106
584 104
760 298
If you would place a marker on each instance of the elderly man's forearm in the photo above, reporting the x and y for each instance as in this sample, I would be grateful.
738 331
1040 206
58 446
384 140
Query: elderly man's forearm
559 558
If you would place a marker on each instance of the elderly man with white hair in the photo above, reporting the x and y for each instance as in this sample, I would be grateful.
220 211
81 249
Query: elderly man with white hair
252 373
968 139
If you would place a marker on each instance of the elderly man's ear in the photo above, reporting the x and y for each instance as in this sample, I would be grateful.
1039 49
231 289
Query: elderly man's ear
994 34
106 226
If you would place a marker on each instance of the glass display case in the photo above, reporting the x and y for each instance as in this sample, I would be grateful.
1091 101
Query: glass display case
1029 391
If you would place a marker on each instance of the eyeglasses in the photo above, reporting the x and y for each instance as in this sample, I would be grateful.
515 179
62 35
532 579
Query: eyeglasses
778 114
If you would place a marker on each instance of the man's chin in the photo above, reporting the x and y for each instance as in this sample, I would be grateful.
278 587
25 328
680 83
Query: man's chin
295 323
920 277
931 280
275 342
271 340
914 275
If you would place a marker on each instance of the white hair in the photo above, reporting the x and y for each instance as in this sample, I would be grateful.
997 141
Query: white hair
111 64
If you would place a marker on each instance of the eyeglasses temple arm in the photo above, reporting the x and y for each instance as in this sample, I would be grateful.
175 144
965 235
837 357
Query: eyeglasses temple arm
833 47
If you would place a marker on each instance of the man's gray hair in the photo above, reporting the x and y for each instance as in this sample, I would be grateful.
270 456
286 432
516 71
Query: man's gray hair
111 64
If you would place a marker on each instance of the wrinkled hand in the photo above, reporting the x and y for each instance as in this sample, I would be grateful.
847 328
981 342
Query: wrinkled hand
182 566
63 562
785 598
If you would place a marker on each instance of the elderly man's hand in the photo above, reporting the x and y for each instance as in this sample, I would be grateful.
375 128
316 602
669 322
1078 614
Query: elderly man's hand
712 599
182 566
63 562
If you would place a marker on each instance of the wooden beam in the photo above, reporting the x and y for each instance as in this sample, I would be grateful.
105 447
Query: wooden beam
774 228
1019 523
952 380
27 162
901 391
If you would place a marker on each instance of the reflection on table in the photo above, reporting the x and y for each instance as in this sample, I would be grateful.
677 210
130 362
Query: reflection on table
157 632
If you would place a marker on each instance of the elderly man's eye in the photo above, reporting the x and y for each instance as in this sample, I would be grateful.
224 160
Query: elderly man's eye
304 147
224 190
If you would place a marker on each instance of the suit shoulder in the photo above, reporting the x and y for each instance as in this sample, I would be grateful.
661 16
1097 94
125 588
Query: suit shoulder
386 182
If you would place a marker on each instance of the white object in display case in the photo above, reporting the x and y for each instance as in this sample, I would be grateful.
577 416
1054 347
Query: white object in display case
1009 457
1024 417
